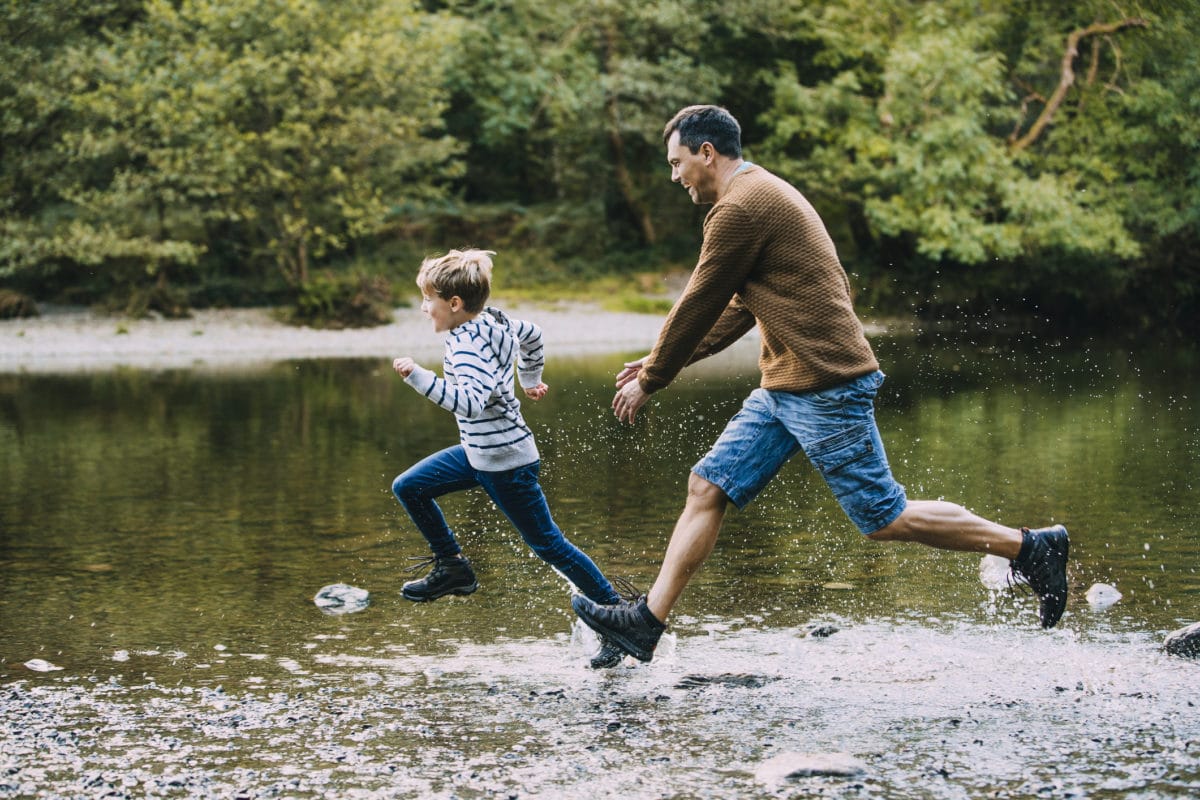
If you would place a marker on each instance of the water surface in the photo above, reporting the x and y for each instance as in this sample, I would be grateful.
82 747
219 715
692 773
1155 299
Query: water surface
162 534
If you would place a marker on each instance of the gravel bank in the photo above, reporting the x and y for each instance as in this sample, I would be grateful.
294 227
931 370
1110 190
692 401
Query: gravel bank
72 340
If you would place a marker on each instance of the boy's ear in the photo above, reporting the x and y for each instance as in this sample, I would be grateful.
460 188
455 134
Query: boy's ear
456 303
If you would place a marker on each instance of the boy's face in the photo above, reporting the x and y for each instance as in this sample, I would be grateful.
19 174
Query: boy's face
445 314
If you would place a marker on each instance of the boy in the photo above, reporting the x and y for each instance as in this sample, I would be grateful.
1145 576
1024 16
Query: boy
497 449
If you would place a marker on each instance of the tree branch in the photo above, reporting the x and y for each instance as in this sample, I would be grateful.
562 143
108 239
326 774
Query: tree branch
1067 77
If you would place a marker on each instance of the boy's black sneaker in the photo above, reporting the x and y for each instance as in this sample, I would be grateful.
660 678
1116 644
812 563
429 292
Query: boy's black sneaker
1044 568
608 656
630 625
452 575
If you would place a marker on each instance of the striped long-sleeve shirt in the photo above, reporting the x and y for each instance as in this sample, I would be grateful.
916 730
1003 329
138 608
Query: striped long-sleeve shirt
478 387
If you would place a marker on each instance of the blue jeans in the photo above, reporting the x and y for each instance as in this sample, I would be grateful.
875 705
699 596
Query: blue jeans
516 493
835 428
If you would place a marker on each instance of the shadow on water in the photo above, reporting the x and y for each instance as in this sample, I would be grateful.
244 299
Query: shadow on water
163 534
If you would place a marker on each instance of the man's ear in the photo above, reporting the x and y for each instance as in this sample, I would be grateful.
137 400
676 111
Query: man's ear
708 152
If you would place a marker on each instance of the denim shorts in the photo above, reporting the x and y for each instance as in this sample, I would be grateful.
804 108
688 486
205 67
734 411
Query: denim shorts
835 428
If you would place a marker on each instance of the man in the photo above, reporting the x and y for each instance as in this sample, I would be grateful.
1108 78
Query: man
767 260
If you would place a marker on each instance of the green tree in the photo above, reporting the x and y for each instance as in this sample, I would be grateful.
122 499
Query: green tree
566 103
292 127
35 111
1125 125
910 130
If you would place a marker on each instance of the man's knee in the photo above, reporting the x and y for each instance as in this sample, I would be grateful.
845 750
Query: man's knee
704 493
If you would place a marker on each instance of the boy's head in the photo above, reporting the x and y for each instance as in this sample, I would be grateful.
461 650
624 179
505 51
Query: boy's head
466 274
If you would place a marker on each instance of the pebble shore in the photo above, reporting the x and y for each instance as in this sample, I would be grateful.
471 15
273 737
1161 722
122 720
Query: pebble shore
74 340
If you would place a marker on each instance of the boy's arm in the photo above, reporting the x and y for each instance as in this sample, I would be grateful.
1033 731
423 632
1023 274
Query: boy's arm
468 396
531 356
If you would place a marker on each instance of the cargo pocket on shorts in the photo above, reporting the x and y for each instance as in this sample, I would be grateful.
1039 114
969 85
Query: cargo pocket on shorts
833 454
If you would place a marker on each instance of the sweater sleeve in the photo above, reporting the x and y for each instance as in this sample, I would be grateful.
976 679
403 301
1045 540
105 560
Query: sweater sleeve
727 257
531 356
734 323
467 396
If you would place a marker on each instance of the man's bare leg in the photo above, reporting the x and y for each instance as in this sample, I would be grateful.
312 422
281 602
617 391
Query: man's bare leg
691 543
1039 556
947 526
635 626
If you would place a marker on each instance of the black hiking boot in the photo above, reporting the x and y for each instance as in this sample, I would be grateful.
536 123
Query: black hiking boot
629 625
452 575
1044 568
608 656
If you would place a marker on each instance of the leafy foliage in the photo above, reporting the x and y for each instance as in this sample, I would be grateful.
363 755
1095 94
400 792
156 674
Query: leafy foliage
352 300
1027 154
289 128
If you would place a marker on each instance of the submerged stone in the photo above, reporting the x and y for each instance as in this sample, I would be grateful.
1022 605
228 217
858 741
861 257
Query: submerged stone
744 680
1101 595
341 598
820 630
1184 642
803 765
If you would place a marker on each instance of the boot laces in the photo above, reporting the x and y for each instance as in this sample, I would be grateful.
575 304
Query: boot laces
626 589
1016 580
422 562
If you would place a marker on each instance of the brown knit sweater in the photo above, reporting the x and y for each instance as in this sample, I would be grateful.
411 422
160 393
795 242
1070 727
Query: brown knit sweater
766 259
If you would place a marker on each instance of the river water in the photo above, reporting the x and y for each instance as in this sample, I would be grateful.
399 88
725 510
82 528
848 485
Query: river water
163 534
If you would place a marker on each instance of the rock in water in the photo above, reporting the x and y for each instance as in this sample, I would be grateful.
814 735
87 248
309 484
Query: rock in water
743 680
1101 595
820 630
341 598
802 765
1184 642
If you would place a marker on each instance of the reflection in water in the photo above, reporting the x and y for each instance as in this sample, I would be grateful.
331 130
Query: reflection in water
162 535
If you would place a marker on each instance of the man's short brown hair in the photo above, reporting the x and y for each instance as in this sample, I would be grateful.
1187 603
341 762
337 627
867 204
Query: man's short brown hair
712 124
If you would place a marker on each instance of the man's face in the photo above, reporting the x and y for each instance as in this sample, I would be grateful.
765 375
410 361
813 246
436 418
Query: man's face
691 169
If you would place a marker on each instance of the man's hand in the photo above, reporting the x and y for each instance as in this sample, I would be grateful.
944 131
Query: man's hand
404 366
630 396
632 368
537 392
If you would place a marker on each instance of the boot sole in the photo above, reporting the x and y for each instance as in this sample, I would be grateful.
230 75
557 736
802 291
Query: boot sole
462 590
1066 552
1056 613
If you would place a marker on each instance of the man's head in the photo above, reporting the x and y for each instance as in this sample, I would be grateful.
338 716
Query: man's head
704 143
699 124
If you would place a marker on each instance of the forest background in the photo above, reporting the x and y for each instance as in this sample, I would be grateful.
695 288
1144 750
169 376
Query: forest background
983 159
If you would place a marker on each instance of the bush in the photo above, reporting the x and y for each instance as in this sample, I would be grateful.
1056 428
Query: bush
14 305
332 300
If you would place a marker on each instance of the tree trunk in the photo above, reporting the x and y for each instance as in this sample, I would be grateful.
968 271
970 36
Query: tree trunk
612 113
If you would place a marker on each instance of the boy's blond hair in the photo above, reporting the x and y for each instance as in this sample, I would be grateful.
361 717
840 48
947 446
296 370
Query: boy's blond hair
466 274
